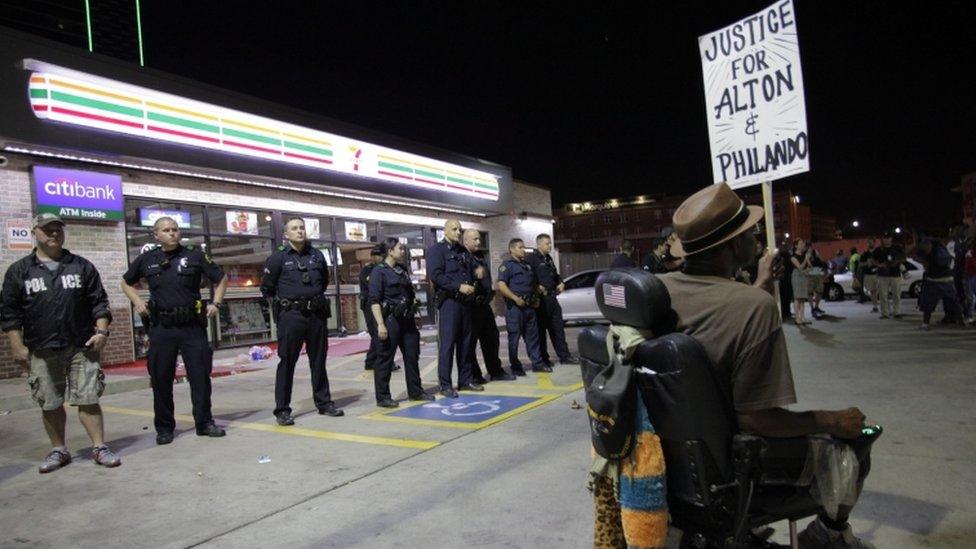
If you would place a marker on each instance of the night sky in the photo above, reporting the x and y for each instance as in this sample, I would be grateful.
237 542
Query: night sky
599 101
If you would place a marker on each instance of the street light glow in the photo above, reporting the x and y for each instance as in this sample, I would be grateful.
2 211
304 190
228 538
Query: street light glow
898 230
856 224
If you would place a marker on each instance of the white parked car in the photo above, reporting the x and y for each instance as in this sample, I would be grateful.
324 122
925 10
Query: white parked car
911 282
578 299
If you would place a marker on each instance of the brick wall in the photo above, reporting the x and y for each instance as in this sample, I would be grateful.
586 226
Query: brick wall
101 243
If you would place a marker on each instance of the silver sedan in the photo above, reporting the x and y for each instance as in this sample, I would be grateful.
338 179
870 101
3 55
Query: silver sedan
578 299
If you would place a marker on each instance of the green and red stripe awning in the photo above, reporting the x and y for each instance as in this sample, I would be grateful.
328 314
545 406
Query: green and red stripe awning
117 107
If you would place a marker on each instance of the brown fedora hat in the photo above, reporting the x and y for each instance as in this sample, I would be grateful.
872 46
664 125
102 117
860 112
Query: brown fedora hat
710 217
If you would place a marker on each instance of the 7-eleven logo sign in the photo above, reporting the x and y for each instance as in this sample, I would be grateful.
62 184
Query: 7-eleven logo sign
356 153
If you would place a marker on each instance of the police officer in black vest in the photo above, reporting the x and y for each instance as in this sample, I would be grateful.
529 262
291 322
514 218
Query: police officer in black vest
483 318
549 313
517 282
393 306
177 317
55 314
296 277
376 258
448 270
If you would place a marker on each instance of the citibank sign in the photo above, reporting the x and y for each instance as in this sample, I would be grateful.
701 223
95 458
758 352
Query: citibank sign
77 194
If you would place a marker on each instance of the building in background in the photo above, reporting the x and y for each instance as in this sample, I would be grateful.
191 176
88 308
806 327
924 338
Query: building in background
823 227
589 232
111 146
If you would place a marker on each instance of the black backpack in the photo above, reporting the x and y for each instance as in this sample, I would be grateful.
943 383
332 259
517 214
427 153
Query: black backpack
611 404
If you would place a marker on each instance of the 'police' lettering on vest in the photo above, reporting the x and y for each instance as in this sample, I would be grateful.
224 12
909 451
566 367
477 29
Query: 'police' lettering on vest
35 285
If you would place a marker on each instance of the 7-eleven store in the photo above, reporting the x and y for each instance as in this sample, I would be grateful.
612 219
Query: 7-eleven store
230 169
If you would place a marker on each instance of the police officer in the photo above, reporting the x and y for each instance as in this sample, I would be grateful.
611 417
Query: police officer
55 313
517 282
393 306
483 318
177 318
296 277
549 313
449 272
375 259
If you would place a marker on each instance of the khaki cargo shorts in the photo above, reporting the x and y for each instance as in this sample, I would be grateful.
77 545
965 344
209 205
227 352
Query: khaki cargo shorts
55 371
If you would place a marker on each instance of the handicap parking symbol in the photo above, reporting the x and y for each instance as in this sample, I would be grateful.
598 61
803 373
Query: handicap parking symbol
466 408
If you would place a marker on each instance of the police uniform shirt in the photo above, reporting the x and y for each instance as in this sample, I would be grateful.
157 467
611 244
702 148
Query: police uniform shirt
447 266
364 283
54 309
518 276
174 276
389 285
545 270
286 269
475 260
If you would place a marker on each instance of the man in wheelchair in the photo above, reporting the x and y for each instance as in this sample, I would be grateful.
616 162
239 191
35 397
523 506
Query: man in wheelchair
736 459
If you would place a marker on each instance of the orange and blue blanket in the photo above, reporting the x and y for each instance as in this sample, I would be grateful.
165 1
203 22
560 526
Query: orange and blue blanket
630 496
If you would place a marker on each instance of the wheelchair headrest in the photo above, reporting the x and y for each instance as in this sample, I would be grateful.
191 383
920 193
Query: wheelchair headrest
634 297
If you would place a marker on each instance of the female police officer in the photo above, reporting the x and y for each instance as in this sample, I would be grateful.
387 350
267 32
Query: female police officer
391 299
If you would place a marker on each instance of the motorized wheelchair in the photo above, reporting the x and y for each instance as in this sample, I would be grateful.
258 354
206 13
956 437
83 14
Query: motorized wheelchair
713 471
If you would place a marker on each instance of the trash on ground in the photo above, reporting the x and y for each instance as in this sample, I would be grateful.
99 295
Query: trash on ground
260 352
575 405
264 459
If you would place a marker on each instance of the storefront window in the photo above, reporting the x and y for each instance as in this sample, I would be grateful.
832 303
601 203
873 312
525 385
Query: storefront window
141 214
241 258
245 315
317 229
331 293
355 230
241 239
410 235
244 321
241 222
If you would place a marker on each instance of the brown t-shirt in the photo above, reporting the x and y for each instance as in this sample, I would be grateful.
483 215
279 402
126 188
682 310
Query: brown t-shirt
740 328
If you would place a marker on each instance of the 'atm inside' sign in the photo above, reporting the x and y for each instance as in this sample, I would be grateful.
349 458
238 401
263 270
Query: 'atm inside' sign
77 194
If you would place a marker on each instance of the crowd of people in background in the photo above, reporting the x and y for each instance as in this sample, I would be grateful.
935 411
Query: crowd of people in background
877 272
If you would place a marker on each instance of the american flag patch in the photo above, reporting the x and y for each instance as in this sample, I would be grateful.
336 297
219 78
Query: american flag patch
613 296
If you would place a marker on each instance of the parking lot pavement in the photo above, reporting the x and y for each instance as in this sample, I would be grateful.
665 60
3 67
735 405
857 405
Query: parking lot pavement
506 468
200 489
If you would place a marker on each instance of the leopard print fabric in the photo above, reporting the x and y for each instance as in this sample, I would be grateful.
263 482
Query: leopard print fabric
608 530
